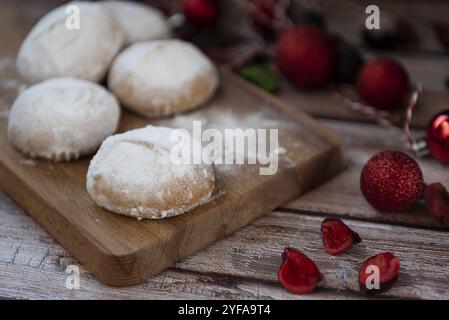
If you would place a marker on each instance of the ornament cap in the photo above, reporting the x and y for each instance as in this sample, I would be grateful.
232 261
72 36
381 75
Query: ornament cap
419 147
437 137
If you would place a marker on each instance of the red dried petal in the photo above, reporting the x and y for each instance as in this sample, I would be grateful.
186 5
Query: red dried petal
388 265
298 273
337 236
437 201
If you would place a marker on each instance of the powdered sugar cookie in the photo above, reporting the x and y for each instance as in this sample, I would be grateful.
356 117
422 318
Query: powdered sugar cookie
58 47
161 77
133 174
138 21
62 119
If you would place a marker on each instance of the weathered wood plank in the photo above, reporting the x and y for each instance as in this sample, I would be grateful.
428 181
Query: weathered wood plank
32 266
342 196
29 283
256 252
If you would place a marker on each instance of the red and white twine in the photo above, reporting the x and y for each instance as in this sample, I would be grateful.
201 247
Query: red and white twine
385 118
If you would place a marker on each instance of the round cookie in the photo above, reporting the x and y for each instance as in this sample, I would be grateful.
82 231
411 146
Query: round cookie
138 21
133 174
62 119
162 77
55 48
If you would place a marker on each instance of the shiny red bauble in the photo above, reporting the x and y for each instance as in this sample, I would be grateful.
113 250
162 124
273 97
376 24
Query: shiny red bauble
437 137
201 13
392 181
383 83
306 56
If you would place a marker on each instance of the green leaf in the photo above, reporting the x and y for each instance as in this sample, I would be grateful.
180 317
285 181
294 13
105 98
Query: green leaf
260 75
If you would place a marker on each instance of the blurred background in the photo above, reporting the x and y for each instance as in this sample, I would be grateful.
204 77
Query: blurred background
415 32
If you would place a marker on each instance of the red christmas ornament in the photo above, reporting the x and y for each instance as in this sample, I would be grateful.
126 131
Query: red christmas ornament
437 137
306 56
201 13
383 84
387 264
391 181
298 273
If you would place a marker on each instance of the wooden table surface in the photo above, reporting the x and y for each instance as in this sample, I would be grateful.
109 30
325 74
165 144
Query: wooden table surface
244 265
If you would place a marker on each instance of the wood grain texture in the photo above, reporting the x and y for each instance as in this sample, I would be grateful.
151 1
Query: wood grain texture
255 251
122 251
32 266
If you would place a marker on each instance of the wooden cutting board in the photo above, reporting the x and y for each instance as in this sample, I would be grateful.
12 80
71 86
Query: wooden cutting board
122 251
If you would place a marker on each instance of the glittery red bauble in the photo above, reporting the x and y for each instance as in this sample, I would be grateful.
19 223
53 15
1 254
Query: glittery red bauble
438 136
201 13
306 56
391 181
383 84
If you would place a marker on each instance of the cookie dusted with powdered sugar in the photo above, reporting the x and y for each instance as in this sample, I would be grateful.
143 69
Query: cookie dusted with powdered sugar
133 174
62 119
162 77
57 47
